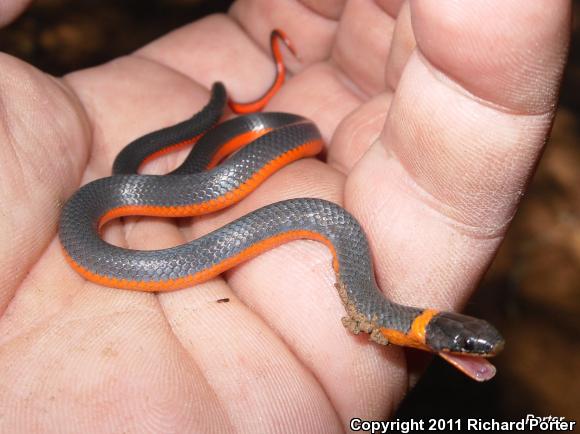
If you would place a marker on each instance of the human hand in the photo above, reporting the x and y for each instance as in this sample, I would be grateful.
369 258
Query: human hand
433 172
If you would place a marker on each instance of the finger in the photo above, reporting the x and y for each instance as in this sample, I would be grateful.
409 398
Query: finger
311 33
391 7
464 132
255 376
243 66
362 45
10 9
357 131
360 128
331 9
44 140
401 48
318 93
514 77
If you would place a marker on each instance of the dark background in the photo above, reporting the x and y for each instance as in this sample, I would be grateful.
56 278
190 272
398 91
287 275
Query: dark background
531 292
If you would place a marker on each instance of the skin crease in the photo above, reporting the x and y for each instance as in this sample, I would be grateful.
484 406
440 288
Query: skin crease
440 144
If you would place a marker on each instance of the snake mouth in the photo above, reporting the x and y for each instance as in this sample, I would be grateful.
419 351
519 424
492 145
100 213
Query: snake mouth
474 366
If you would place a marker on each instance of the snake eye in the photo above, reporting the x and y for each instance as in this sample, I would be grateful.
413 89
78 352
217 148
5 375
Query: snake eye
469 345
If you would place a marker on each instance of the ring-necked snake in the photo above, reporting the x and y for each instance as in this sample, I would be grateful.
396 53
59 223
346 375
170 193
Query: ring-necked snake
264 143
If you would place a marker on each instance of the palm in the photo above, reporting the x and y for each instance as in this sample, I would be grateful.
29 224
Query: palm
434 182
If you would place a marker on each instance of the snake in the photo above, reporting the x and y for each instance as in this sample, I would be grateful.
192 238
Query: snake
227 162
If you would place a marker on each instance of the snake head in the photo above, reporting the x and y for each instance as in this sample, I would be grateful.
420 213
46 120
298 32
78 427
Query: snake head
462 334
